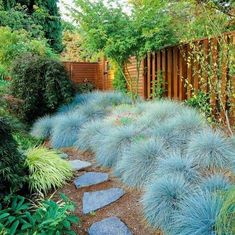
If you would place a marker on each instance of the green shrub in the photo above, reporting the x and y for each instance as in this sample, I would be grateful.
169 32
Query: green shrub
201 101
12 170
17 216
85 87
41 83
46 169
15 43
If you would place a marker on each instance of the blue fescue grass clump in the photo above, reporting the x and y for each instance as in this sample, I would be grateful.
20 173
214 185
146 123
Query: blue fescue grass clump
211 149
139 162
214 183
162 198
187 123
176 164
90 134
92 112
177 131
65 131
42 127
198 214
112 145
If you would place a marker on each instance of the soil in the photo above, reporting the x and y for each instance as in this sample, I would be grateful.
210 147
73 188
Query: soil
127 208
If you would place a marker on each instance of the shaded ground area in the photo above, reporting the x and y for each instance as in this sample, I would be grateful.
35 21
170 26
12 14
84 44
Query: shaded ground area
127 208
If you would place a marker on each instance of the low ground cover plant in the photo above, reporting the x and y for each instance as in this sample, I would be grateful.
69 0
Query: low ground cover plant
19 216
164 148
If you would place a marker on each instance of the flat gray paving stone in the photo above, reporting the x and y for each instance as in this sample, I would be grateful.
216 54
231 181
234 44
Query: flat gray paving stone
90 178
79 165
93 201
109 226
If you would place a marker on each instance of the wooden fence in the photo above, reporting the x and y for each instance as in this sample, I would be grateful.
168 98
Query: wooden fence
206 65
97 73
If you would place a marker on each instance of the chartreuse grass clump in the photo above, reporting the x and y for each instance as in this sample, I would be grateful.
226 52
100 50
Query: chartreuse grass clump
162 198
47 170
198 214
211 150
139 163
225 223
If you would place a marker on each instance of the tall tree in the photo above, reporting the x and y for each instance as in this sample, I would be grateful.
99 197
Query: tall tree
43 13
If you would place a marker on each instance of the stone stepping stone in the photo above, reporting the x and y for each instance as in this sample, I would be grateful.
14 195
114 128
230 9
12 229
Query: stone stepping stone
79 165
90 178
95 200
109 226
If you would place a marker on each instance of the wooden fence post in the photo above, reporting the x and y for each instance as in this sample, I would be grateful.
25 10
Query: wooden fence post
169 72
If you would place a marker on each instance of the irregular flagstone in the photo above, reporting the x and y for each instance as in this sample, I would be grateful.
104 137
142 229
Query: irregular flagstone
95 200
109 226
79 165
90 178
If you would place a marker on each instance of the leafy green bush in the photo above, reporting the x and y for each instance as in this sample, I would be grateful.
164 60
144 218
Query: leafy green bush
85 87
201 101
46 169
16 43
12 169
41 83
50 217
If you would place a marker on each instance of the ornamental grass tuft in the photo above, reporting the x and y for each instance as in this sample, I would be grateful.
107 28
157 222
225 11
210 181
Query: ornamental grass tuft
47 170
211 149
65 131
139 163
197 214
225 224
111 147
162 198
215 183
42 127
175 163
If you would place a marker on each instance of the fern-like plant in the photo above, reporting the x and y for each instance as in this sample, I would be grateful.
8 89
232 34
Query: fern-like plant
162 199
197 214
139 162
211 149
47 170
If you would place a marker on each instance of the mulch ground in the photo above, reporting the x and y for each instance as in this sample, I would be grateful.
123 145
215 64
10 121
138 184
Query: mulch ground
127 208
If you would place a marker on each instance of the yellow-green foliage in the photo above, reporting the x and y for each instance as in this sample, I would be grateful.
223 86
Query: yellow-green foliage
46 169
226 220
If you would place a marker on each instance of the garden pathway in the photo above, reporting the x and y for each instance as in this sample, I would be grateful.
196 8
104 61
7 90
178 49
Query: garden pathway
104 205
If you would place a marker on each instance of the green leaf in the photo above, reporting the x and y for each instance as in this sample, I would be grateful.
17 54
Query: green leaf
14 227
4 215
